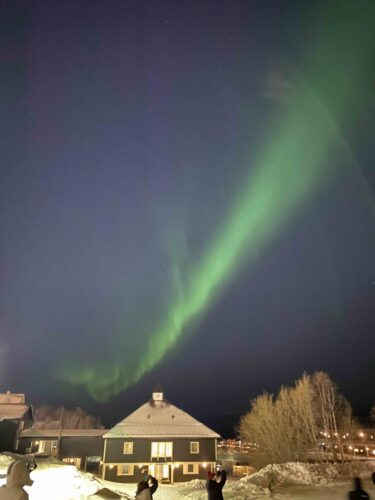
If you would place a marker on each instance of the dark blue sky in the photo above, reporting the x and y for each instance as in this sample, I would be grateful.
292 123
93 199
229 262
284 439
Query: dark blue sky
124 123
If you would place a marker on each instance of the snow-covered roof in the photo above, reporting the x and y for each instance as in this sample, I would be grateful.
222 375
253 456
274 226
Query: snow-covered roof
10 398
10 411
40 433
160 419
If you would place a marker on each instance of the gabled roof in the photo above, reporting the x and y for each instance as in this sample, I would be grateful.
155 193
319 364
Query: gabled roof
160 419
12 411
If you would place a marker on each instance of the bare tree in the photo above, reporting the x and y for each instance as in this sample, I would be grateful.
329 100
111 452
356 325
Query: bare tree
304 403
287 427
332 408
372 414
261 425
62 418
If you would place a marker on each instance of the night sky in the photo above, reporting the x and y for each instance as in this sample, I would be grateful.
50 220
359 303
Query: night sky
187 196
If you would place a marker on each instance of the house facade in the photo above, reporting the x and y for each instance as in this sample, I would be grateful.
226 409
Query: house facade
159 439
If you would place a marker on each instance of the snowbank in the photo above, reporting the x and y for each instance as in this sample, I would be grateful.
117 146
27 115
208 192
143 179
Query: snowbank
276 475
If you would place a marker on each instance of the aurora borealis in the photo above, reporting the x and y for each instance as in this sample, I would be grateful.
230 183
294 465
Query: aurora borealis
296 159
184 183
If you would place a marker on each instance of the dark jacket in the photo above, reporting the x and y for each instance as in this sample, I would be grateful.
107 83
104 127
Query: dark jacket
144 491
215 489
358 493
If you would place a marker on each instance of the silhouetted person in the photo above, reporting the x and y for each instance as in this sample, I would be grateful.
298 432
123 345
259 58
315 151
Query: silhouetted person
18 476
358 493
373 477
215 485
144 490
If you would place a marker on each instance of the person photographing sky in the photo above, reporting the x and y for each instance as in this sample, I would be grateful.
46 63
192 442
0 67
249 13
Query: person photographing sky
215 484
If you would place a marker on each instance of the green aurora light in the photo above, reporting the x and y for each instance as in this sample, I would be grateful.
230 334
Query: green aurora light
301 155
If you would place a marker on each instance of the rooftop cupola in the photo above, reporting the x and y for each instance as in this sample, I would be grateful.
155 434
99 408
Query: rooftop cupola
157 393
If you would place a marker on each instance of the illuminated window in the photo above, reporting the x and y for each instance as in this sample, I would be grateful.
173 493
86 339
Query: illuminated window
125 470
194 447
190 468
128 448
165 471
54 444
161 450
41 446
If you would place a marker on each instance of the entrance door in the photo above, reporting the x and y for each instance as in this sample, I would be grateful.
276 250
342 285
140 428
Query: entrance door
162 472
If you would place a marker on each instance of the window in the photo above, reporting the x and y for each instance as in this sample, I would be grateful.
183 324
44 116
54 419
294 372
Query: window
54 447
125 469
194 446
161 450
128 448
41 446
191 468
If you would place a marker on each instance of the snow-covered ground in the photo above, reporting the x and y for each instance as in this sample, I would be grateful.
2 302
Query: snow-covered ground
56 481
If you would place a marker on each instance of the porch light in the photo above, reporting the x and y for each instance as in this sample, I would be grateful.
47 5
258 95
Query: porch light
204 465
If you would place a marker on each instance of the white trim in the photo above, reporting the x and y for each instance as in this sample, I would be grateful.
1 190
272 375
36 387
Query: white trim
192 443
131 446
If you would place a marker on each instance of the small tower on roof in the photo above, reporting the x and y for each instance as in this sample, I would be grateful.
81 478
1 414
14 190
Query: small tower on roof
157 393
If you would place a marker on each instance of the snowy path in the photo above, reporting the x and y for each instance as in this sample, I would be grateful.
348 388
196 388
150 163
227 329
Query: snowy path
56 481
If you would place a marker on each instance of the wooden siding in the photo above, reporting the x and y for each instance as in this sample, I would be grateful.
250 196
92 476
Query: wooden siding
79 447
142 450
176 474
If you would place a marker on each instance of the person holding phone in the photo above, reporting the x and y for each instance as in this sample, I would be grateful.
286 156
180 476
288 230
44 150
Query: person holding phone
145 490
215 484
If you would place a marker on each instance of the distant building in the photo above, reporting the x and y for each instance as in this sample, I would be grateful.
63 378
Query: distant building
15 415
162 439
81 447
